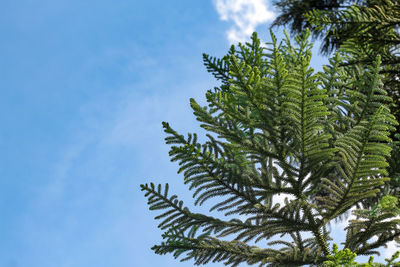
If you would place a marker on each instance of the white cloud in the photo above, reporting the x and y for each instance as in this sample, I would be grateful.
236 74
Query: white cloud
245 14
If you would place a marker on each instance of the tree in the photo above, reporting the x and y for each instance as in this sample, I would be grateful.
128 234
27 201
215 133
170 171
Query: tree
373 22
364 29
292 14
371 29
277 127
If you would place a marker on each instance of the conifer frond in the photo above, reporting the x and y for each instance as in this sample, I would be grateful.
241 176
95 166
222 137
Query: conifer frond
276 127
204 249
299 251
207 249
305 113
218 67
176 216
371 24
361 164
381 222
364 31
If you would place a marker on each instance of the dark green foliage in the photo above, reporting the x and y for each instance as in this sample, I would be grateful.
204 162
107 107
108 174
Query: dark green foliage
366 28
335 21
363 30
378 221
394 166
277 127
292 14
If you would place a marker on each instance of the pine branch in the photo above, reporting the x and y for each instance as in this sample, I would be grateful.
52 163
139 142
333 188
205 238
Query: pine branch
361 155
178 217
321 138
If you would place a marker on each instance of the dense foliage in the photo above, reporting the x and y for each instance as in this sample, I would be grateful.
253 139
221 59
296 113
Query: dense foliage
276 127
364 29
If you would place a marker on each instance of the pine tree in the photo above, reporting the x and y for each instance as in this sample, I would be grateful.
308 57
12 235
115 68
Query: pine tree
364 29
371 21
371 29
277 127
292 15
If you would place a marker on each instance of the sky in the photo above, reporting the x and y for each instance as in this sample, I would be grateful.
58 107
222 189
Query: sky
85 86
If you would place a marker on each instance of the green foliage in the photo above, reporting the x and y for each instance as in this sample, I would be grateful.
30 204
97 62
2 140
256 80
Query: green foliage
378 221
346 258
394 166
368 22
389 204
342 258
361 30
292 15
367 29
274 126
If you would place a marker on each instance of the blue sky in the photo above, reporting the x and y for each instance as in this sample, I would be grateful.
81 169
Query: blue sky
85 86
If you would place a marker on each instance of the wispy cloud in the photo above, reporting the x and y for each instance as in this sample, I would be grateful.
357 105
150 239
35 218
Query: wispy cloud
246 16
